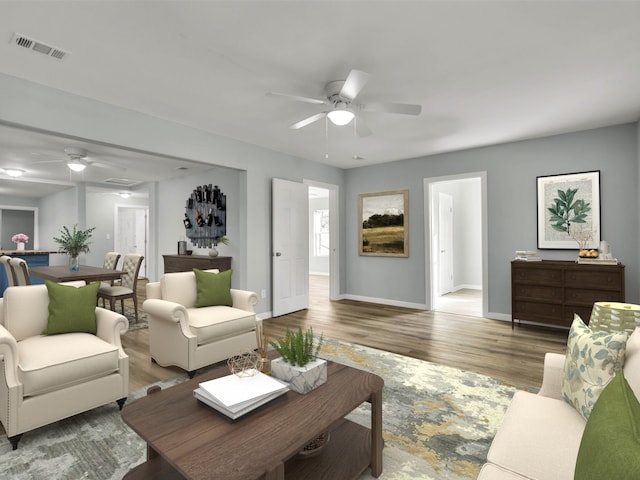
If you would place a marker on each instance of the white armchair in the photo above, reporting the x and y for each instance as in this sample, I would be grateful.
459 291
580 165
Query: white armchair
45 378
183 335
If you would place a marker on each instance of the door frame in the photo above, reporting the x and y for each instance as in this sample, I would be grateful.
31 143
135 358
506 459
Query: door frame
428 232
334 236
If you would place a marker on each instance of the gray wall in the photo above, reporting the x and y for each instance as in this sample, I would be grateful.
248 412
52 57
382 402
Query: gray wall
511 169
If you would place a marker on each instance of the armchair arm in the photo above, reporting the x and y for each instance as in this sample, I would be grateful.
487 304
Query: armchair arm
244 299
9 353
110 326
164 310
553 375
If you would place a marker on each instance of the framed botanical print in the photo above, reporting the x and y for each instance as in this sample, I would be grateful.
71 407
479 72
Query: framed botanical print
569 210
384 223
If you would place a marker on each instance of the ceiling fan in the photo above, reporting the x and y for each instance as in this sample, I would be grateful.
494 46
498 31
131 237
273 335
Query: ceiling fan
341 95
77 159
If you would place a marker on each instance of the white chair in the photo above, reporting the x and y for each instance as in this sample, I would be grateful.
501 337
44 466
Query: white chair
45 378
110 263
190 338
128 284
20 271
11 279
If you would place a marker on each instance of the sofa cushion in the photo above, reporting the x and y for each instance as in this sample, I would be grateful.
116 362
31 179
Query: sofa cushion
489 471
26 302
591 362
213 289
71 309
632 362
180 287
215 323
56 361
610 446
539 438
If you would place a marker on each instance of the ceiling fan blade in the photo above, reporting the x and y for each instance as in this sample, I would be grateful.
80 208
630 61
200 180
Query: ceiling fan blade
307 121
402 108
362 130
297 98
354 83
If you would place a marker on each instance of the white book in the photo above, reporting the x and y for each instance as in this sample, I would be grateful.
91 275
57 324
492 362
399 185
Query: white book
238 391
240 409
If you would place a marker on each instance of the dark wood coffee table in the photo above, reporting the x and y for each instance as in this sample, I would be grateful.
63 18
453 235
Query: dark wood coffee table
187 439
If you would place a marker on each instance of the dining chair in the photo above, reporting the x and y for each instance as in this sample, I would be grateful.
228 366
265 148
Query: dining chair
128 284
11 278
20 271
110 263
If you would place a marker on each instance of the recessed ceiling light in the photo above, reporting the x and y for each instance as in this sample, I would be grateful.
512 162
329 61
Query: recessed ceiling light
124 194
13 172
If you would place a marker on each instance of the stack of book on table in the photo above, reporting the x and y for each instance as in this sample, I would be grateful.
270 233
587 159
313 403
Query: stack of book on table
527 256
235 395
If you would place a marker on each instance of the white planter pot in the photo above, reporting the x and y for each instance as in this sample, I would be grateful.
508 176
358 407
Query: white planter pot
300 379
20 246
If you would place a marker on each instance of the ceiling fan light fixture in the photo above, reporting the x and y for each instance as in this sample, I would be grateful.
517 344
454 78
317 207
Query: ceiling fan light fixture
13 172
124 194
340 116
77 165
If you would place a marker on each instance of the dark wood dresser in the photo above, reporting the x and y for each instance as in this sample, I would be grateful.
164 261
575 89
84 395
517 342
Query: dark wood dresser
186 263
551 291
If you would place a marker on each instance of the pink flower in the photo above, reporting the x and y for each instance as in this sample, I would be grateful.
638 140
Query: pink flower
20 237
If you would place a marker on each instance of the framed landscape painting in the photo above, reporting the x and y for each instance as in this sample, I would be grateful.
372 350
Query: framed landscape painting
569 210
384 223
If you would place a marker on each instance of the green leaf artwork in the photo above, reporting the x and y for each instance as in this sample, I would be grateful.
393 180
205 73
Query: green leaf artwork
567 210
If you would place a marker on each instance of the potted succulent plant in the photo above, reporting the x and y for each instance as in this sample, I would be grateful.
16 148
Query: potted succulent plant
74 243
298 364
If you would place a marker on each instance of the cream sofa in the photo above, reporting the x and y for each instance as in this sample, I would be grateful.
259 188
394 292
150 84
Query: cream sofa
191 338
540 434
45 378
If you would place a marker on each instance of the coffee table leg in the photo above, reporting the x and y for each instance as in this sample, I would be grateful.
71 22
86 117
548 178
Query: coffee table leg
376 433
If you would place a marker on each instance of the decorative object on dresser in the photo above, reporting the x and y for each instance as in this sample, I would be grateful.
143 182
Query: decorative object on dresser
551 291
186 263
567 204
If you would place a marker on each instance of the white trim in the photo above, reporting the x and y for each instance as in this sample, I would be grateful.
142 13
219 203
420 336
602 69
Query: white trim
385 301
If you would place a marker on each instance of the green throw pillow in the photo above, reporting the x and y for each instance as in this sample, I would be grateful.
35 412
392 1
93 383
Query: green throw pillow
213 288
71 309
591 362
610 445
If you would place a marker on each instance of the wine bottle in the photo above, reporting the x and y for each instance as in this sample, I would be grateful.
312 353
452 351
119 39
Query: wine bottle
199 219
210 218
216 195
187 222
208 193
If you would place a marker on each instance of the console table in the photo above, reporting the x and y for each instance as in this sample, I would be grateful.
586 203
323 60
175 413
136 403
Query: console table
551 291
186 263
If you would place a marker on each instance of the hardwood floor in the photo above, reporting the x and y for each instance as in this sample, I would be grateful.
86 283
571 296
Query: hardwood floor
476 344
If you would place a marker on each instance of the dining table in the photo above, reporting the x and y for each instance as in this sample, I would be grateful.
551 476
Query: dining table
62 273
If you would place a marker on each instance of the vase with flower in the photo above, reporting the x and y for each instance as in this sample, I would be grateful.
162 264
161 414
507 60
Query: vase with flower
20 239
74 243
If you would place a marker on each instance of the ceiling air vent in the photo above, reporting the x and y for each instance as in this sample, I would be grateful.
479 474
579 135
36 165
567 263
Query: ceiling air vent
122 182
23 41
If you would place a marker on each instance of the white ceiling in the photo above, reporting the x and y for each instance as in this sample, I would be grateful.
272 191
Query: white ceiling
485 72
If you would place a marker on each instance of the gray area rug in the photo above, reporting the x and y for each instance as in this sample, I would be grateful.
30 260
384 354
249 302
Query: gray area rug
438 422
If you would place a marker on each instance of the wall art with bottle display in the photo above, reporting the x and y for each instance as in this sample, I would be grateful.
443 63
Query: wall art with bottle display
205 216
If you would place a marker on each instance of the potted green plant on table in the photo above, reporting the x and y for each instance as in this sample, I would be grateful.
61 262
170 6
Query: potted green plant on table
298 364
74 243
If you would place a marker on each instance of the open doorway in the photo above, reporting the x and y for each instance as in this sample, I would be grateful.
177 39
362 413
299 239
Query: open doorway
323 241
456 227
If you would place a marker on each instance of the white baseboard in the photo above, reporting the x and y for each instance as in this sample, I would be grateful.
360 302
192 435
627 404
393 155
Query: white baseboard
467 286
386 301
505 317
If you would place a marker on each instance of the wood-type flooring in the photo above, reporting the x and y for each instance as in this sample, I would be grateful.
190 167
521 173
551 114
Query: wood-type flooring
480 345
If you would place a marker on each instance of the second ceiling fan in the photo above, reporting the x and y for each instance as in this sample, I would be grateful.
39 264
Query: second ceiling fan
340 97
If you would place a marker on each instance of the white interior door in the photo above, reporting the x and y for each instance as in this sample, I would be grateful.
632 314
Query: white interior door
290 242
445 244
131 233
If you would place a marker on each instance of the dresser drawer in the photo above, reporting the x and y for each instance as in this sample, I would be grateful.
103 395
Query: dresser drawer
588 278
539 312
537 275
539 292
589 297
